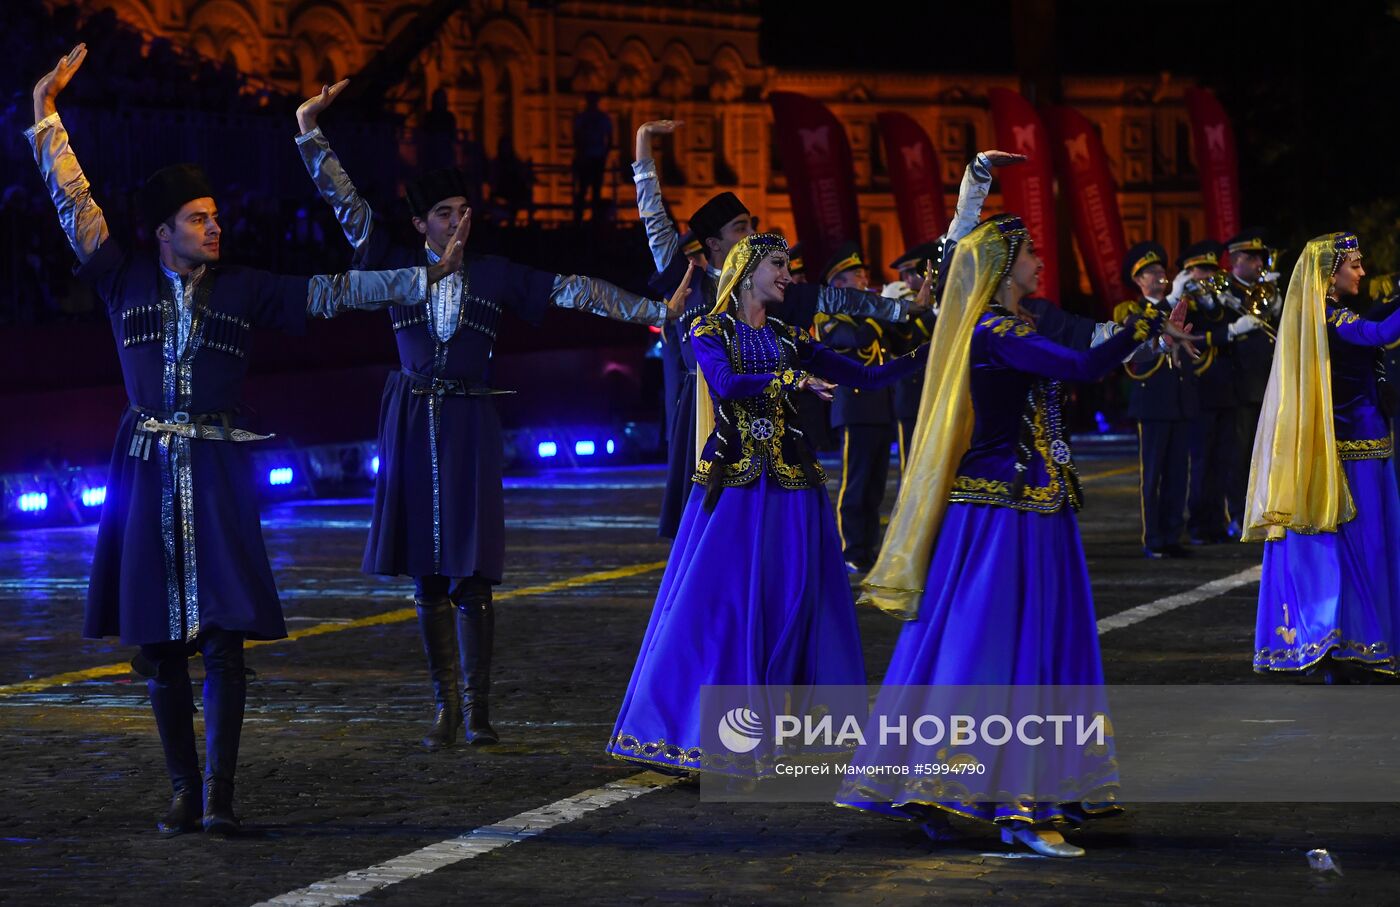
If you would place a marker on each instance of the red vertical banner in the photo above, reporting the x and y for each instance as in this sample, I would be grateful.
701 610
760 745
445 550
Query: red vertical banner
1028 189
816 156
1217 162
914 178
1088 184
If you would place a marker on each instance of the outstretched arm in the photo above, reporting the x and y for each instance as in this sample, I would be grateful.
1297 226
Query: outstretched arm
598 297
802 301
328 295
78 214
1357 331
1016 345
826 363
332 182
662 237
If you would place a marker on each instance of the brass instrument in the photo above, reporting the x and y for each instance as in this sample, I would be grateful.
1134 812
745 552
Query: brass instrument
1260 299
1207 287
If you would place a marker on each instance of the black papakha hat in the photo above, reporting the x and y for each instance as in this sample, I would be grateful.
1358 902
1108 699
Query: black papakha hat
168 189
432 187
711 217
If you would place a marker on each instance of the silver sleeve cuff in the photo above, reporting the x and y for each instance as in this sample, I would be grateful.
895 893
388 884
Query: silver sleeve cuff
643 170
333 183
1103 331
80 217
598 297
972 193
328 295
861 304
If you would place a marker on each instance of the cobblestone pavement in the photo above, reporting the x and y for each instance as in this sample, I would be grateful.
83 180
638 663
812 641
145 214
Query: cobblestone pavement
332 779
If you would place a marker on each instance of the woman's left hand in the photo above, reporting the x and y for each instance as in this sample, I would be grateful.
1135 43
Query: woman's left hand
822 389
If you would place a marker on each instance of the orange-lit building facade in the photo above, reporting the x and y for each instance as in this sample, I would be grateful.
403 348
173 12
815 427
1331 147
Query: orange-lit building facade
520 70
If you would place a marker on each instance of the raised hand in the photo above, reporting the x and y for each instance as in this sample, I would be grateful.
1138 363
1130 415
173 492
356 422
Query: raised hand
675 306
313 106
55 80
921 298
451 260
1004 158
653 127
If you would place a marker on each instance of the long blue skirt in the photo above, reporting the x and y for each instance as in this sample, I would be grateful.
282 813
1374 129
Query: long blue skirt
1007 602
1336 595
755 594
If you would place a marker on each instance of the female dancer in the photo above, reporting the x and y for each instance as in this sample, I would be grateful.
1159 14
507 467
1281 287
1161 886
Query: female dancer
1321 488
755 592
983 551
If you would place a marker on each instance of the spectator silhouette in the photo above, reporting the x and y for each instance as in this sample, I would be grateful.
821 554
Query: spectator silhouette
439 148
593 137
511 182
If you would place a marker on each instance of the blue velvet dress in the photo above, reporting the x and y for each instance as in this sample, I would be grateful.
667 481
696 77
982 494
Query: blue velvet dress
1007 600
1336 595
799 307
755 592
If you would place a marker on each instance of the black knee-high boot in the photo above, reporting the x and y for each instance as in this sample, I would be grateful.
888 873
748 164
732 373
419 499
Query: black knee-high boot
225 695
172 701
436 623
476 624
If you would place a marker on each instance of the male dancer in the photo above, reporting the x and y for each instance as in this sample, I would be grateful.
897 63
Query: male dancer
438 499
180 565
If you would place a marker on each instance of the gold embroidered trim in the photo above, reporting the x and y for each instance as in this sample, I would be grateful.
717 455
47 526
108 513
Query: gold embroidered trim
1338 316
694 758
756 453
707 327
1366 448
1375 655
1047 498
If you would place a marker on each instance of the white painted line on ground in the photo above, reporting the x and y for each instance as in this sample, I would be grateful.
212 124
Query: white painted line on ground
1211 589
353 885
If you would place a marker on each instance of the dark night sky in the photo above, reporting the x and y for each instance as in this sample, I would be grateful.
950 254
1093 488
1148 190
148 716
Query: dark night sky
1312 87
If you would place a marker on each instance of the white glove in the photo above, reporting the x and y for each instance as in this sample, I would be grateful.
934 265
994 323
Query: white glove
1178 284
1242 325
897 290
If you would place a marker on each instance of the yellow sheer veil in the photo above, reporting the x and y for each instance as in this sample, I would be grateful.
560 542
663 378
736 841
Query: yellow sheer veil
1295 477
738 264
944 428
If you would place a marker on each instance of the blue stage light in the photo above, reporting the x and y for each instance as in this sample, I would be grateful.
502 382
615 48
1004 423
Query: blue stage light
611 447
280 476
584 448
33 502
94 497
547 449
374 466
